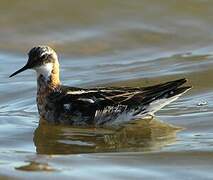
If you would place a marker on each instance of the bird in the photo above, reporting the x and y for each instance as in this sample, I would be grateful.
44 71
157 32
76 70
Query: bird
96 106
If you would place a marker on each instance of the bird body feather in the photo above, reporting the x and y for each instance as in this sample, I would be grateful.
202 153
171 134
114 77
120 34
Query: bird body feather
111 105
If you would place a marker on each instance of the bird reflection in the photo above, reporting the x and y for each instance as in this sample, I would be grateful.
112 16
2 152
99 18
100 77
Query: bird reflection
35 166
144 135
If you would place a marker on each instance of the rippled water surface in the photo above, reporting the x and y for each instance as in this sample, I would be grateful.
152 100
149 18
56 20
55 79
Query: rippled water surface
116 43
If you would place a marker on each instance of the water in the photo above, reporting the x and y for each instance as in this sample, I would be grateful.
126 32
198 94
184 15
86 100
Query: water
109 43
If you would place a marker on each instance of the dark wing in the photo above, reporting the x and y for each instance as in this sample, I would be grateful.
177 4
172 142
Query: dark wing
112 96
89 101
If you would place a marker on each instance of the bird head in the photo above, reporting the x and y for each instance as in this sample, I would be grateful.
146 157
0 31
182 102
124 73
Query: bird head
41 59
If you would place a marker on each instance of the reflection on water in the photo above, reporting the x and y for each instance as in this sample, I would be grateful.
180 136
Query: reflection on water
145 135
119 43
35 166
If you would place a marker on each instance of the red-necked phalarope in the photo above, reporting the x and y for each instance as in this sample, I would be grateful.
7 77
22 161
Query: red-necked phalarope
95 106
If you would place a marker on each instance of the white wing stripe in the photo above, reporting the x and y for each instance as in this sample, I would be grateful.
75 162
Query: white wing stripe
86 100
80 92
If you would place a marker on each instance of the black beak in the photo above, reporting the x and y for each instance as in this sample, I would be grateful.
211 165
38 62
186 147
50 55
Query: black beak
20 70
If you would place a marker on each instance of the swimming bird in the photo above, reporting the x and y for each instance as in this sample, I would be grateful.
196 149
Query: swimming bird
99 106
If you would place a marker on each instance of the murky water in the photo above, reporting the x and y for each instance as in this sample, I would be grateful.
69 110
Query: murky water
113 43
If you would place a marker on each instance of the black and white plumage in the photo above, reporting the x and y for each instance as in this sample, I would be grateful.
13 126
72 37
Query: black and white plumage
113 105
95 106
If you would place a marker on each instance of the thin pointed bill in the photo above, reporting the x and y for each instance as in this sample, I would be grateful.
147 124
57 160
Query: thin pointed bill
19 71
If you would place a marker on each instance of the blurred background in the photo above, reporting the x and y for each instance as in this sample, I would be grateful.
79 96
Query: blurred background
112 43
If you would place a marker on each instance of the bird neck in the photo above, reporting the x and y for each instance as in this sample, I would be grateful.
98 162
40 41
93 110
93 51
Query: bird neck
48 79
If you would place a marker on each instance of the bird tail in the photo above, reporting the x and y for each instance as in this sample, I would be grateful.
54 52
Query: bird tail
158 96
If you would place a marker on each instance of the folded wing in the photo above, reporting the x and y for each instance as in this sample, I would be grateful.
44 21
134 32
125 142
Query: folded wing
105 104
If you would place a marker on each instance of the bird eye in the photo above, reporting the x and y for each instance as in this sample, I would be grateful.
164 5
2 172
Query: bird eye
44 56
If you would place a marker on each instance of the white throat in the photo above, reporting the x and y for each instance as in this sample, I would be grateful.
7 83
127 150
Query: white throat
44 70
